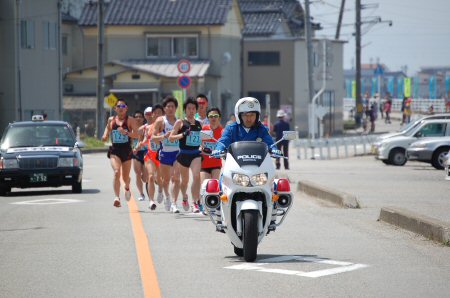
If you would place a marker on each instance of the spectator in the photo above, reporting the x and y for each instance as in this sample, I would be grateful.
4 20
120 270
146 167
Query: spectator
266 123
407 110
231 120
387 109
280 126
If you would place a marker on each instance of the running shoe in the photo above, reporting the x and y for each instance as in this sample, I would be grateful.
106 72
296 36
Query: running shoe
167 203
185 204
160 197
127 194
152 205
174 208
195 208
141 197
117 203
200 207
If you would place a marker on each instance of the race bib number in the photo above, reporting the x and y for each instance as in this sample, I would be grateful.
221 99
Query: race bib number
154 146
167 143
210 145
118 138
193 139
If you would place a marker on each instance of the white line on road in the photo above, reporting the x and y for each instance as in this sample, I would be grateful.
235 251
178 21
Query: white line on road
48 202
343 266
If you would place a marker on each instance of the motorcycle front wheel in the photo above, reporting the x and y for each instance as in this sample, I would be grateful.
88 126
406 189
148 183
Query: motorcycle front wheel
250 235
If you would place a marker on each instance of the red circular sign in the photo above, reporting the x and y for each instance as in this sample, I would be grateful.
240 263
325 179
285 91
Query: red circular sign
184 82
184 66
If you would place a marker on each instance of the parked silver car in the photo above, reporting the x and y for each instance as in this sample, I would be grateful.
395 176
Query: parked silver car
393 150
430 150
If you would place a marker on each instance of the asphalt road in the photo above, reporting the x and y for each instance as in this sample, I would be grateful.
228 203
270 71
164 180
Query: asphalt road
88 248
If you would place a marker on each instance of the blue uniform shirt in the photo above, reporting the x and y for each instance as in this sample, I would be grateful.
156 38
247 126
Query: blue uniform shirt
279 127
235 132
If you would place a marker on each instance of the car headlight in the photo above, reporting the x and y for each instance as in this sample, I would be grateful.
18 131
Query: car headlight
242 180
9 164
259 179
67 162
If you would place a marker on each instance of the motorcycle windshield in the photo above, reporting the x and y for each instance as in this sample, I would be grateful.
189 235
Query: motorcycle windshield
248 153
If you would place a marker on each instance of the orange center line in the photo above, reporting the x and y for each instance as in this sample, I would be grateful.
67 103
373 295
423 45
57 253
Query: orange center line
145 260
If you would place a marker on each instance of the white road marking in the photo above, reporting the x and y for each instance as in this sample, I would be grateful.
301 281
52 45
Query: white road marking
343 266
47 202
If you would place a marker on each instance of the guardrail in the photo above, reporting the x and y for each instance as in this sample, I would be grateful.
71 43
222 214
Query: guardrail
417 105
333 148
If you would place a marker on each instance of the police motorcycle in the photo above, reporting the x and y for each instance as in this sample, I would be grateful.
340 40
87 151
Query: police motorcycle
249 202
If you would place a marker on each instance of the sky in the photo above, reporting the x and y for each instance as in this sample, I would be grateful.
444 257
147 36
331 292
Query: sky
419 35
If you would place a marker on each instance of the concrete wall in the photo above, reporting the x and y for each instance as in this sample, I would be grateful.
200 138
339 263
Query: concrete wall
8 65
39 67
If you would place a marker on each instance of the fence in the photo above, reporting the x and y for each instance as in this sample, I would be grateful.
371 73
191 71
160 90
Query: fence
334 148
417 105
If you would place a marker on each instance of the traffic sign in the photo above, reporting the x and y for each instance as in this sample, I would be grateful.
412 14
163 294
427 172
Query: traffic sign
184 82
184 66
111 100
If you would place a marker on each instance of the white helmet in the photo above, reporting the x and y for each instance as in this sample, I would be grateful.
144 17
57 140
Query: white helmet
245 105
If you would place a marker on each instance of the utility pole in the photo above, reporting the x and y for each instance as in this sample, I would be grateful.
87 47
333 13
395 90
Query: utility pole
309 54
100 82
359 107
341 13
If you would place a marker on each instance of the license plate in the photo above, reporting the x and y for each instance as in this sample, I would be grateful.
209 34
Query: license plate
38 177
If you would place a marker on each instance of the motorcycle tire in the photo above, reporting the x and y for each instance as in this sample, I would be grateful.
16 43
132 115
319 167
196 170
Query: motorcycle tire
238 251
250 235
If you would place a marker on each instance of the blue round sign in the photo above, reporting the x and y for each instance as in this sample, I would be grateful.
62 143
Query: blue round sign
184 82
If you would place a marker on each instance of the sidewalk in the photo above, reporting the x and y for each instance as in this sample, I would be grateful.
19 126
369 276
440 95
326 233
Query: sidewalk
414 197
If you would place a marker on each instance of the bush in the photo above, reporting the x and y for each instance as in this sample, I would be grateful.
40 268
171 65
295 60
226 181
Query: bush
91 142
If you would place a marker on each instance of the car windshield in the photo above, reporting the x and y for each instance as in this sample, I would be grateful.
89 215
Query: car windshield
38 136
410 126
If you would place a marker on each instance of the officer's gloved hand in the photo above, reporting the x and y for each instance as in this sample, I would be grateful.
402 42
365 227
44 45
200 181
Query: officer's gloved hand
216 153
275 151
186 132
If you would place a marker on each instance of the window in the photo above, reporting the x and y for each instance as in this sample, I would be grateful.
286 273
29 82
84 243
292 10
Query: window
261 96
27 34
172 46
263 58
49 35
64 41
432 130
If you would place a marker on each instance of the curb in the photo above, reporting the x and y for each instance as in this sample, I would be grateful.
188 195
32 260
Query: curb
428 227
337 197
94 150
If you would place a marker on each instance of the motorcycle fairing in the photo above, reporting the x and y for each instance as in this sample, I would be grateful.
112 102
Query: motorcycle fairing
248 152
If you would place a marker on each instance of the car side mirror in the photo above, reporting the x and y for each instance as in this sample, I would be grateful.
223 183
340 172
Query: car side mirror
79 144
419 134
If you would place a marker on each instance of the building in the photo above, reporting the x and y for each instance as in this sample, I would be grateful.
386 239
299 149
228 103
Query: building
30 58
275 64
145 40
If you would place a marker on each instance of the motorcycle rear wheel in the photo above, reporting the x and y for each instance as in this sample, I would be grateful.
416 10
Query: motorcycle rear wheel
250 235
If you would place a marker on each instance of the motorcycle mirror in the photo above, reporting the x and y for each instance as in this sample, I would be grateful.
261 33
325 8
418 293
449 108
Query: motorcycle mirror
206 134
290 135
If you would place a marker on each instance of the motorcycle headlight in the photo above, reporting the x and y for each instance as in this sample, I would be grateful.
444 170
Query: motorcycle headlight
259 179
9 164
67 162
242 180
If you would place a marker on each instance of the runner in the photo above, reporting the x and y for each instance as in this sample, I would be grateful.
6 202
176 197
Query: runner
151 158
211 166
187 132
202 101
168 153
138 155
121 128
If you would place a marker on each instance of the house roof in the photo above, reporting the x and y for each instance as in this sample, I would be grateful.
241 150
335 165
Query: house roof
159 12
168 68
263 17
